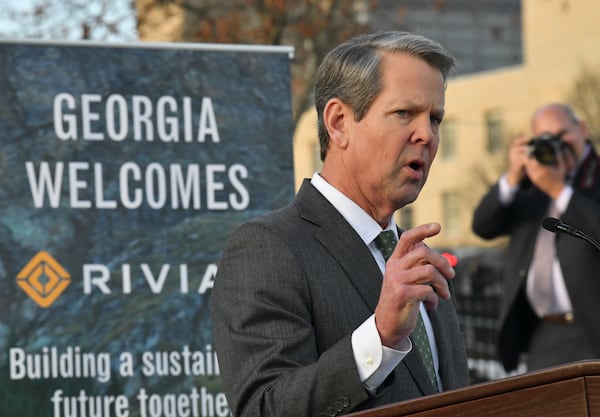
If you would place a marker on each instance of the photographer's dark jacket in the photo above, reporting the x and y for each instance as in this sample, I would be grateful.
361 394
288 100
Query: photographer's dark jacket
579 260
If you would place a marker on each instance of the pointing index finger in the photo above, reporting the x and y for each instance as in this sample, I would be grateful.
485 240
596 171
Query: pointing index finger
415 236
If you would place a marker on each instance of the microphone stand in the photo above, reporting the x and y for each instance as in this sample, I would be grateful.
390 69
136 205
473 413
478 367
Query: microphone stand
555 225
590 240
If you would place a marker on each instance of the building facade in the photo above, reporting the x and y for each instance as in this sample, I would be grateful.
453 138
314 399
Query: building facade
485 111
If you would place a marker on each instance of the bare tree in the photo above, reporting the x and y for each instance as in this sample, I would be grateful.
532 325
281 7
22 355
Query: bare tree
584 96
312 27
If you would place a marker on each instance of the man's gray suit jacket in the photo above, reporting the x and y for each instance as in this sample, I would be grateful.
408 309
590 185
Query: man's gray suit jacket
291 288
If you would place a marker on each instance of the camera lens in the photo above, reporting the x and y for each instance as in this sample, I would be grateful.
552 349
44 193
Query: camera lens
545 153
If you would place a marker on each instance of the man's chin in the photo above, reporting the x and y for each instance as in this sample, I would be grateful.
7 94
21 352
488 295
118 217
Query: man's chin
407 197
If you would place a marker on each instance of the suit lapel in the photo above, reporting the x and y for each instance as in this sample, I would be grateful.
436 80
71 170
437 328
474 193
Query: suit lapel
414 364
444 347
342 242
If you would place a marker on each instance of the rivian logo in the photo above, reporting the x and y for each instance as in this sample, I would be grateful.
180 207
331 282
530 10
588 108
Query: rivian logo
43 279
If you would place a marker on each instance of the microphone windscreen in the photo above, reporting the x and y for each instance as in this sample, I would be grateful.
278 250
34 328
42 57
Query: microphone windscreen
550 223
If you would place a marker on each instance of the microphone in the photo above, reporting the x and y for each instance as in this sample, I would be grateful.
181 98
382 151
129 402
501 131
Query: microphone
554 225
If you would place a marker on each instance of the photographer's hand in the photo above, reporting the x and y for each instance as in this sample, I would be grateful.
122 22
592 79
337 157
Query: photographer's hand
550 179
517 156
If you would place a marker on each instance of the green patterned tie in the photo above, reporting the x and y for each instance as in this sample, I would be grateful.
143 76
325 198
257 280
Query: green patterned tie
386 242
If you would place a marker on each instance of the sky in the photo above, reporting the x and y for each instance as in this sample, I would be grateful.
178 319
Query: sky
6 23
64 19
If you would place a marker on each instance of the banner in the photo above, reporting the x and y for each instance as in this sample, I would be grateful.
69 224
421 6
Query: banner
124 170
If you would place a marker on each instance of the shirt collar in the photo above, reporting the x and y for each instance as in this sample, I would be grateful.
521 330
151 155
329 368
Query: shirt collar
366 227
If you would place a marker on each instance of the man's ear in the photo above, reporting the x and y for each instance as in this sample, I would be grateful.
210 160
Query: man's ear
337 118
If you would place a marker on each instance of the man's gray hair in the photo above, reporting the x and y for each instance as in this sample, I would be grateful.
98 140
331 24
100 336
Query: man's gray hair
350 72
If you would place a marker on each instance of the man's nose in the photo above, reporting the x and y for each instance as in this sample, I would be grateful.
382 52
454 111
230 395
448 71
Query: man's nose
426 130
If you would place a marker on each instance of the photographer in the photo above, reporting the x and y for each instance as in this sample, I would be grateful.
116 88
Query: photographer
549 305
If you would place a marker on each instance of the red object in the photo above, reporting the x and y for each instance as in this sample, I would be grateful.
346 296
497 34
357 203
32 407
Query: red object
451 258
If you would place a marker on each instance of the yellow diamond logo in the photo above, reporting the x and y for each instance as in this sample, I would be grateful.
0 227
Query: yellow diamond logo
43 279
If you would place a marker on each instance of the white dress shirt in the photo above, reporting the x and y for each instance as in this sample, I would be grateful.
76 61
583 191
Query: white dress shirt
374 361
561 295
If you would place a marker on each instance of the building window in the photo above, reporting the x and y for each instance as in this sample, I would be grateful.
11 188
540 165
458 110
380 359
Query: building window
406 218
448 140
451 213
493 125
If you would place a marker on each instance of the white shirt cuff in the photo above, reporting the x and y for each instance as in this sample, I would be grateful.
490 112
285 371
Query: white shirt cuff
373 360
507 191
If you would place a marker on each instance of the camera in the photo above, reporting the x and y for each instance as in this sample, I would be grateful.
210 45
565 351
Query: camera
546 147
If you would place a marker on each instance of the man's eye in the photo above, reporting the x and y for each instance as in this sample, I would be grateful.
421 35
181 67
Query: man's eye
436 120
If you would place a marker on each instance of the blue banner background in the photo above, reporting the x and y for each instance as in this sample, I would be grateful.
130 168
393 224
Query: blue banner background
139 277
